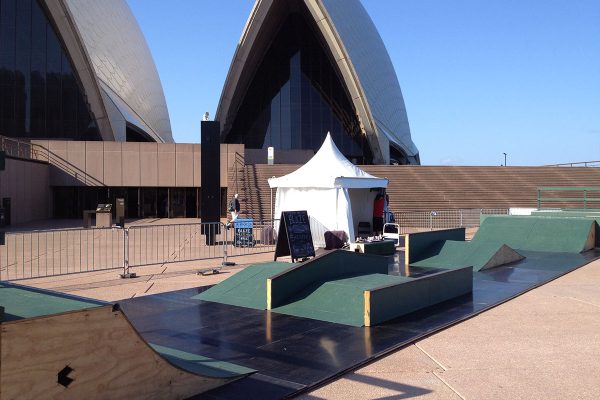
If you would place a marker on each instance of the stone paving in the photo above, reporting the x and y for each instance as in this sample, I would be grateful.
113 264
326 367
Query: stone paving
544 344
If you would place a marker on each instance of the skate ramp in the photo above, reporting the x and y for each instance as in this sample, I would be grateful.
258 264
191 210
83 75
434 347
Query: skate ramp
58 346
507 239
341 287
372 299
480 255
545 234
247 288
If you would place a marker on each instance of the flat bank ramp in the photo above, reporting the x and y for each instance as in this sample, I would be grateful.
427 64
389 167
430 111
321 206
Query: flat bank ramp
508 239
340 286
54 346
247 288
252 286
480 255
374 298
546 234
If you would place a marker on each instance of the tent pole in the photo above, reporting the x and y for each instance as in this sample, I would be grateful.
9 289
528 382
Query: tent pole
272 211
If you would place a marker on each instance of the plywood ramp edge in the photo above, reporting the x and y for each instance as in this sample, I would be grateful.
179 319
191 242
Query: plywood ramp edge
108 358
367 305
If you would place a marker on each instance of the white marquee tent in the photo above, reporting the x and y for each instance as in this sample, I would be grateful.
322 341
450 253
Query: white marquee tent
336 193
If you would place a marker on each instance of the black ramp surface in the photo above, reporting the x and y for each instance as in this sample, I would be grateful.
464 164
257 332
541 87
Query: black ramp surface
293 354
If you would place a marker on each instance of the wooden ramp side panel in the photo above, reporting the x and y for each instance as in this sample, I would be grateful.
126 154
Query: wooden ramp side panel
331 266
395 300
108 358
418 244
504 255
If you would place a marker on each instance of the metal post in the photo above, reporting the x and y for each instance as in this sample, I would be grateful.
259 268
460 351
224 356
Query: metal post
584 199
539 199
126 274
272 211
225 263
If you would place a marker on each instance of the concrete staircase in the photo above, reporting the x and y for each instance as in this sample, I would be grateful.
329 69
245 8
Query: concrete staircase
427 188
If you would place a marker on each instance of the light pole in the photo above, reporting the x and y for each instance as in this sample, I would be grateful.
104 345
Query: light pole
504 159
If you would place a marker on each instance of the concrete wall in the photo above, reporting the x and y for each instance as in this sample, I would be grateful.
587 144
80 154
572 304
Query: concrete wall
27 185
130 164
259 156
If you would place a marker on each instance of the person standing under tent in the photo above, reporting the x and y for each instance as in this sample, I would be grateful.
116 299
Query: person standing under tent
388 215
378 207
234 208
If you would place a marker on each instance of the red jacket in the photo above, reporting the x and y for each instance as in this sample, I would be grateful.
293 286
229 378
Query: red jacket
378 207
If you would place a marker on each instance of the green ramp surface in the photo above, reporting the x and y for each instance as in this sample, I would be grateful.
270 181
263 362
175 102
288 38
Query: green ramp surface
21 302
201 365
520 233
480 255
247 288
327 267
340 301
561 235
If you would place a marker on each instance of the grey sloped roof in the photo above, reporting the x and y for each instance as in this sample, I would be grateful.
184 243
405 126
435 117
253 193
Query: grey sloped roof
361 57
124 66
374 68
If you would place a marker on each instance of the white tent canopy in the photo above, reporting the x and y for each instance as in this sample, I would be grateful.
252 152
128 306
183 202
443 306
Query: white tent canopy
335 193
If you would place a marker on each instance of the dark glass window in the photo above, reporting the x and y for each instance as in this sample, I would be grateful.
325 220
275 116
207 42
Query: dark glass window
40 96
297 96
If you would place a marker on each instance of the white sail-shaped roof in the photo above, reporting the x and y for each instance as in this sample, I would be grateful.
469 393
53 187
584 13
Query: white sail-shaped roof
328 169
365 68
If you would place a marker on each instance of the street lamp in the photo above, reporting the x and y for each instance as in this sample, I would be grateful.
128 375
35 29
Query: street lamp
504 159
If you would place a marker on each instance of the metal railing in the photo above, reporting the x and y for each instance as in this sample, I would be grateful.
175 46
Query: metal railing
261 239
57 252
576 164
37 254
23 149
413 221
159 244
588 194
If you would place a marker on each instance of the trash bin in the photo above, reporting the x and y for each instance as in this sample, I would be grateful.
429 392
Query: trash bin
104 216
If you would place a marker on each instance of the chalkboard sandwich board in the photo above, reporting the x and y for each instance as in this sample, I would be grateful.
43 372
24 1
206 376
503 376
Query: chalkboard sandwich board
294 238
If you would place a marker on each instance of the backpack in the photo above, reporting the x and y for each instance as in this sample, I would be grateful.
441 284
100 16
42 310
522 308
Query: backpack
231 205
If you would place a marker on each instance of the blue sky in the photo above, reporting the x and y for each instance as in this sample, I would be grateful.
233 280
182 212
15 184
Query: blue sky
479 77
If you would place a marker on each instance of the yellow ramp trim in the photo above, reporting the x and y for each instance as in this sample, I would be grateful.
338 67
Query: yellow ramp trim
268 294
367 297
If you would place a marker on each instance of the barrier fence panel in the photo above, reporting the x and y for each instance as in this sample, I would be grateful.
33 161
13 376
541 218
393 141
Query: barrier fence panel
414 221
260 238
158 244
56 252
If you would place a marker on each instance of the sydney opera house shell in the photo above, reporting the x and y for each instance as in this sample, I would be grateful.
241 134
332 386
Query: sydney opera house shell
78 70
306 67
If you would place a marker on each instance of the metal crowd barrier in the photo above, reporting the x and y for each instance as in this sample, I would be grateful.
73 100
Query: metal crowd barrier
57 252
36 254
261 238
411 221
159 244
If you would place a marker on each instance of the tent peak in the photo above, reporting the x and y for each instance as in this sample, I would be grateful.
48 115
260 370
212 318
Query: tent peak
328 168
